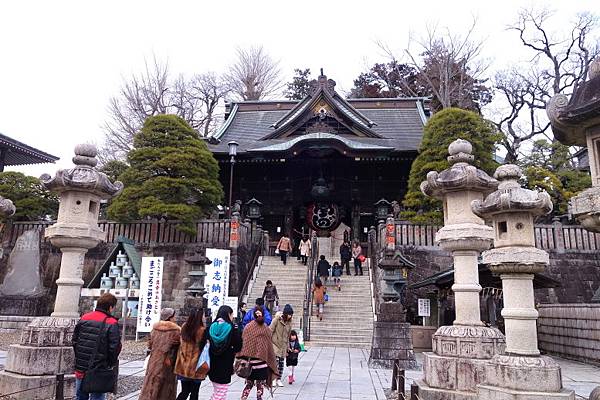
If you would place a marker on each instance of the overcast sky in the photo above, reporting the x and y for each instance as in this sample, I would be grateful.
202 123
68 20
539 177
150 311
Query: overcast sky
61 61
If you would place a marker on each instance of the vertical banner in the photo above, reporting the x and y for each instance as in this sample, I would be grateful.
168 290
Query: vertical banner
150 293
216 281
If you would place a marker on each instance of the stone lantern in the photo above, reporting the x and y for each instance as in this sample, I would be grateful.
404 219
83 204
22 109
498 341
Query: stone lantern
382 209
253 209
7 208
46 349
576 122
521 371
461 351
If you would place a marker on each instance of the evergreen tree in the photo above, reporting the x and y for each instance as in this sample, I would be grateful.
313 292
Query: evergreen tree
172 175
299 87
32 200
441 130
549 167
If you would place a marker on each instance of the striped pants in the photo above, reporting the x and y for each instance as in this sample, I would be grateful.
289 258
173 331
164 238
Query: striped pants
280 366
219 391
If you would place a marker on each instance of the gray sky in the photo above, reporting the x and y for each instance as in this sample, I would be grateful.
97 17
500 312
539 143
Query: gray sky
61 61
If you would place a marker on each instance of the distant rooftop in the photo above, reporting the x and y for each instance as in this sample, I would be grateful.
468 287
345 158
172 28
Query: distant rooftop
13 152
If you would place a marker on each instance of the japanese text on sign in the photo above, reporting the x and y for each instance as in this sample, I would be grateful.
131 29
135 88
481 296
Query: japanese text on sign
150 293
216 281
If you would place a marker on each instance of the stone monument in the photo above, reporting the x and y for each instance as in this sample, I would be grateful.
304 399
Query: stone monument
45 349
521 373
7 208
460 352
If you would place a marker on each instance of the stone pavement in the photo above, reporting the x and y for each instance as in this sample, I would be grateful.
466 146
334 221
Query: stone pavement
325 373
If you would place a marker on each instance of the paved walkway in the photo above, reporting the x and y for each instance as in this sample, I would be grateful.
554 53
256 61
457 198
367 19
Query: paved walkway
323 373
327 373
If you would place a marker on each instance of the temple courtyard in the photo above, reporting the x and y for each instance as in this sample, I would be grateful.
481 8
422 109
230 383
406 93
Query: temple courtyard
342 373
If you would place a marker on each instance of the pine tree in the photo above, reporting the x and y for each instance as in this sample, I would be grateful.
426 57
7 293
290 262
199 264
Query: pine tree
299 87
32 200
441 130
172 175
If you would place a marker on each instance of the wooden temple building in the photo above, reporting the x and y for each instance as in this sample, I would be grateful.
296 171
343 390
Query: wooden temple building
320 161
13 152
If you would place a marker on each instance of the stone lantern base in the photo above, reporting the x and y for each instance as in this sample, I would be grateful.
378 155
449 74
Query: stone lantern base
392 338
458 361
523 378
44 352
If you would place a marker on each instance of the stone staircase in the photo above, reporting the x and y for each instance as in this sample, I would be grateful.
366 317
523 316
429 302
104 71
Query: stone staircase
289 279
348 316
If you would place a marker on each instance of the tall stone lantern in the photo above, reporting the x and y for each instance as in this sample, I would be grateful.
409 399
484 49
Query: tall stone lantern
460 352
521 373
45 349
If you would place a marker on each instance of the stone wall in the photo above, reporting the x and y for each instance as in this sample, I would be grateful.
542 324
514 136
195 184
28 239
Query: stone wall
570 331
578 273
175 272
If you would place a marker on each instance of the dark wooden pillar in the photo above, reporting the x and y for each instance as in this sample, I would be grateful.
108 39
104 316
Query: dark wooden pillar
2 158
356 221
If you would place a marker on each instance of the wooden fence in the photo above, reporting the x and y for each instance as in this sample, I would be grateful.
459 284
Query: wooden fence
215 232
556 236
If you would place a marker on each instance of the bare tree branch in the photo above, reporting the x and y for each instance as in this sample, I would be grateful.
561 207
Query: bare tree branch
254 75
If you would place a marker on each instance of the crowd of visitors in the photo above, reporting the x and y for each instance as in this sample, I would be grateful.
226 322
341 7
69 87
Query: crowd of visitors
260 342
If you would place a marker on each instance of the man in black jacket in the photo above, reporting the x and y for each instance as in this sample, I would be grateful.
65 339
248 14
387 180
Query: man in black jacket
346 256
97 333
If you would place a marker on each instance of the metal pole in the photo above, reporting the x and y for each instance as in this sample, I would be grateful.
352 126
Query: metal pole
231 184
60 387
414 391
125 309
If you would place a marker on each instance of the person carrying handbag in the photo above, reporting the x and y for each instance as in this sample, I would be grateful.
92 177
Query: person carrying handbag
97 344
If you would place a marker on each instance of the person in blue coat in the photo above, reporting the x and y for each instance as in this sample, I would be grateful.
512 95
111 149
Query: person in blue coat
260 302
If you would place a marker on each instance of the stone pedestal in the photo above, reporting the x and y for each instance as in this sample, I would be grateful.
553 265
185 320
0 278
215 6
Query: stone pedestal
392 338
44 351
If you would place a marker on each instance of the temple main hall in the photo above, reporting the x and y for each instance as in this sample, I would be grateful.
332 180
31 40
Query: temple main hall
321 161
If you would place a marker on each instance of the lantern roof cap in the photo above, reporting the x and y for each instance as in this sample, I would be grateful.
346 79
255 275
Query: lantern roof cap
511 196
84 176
460 176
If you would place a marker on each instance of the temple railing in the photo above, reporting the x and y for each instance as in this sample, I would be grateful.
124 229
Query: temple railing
554 237
215 232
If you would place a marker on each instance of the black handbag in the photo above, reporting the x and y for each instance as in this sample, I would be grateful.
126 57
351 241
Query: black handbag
100 379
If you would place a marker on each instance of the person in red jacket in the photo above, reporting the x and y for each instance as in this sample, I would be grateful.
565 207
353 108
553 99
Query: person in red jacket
98 333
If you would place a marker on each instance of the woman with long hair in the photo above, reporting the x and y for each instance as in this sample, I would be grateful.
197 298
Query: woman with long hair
193 340
160 382
258 349
225 341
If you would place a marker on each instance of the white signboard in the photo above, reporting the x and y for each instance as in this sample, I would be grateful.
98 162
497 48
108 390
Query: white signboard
216 281
233 303
150 293
424 308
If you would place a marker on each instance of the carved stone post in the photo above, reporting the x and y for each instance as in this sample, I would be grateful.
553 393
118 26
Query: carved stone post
460 351
45 349
7 208
522 372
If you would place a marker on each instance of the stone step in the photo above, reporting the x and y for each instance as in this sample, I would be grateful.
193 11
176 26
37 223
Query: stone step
332 329
329 343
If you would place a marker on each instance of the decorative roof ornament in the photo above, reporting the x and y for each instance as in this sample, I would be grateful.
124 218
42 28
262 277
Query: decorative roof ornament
511 197
84 176
7 207
461 175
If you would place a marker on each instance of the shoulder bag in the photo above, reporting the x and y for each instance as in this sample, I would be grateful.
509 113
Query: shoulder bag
242 368
100 379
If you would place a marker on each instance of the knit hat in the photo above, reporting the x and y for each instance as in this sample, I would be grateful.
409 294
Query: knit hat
166 313
288 310
260 301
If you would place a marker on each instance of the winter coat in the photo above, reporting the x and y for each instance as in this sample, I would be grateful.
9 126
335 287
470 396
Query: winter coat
319 294
258 346
292 353
250 316
281 334
188 354
160 382
284 244
323 268
221 363
270 294
345 252
305 248
356 250
86 338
